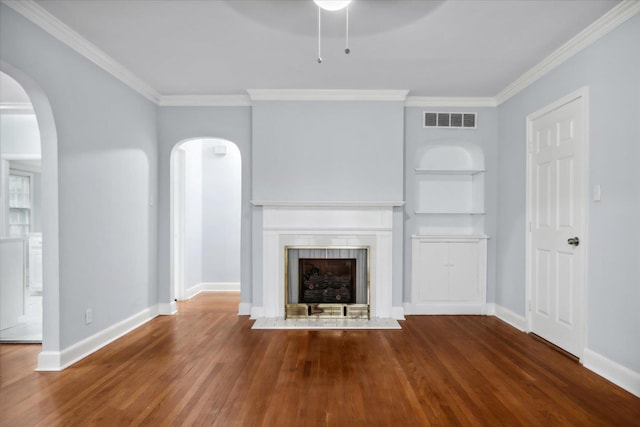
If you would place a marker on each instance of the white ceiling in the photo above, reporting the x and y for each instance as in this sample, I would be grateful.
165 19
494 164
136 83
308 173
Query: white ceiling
432 48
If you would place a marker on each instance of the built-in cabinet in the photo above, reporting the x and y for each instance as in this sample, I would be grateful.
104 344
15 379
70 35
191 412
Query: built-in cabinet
448 274
449 247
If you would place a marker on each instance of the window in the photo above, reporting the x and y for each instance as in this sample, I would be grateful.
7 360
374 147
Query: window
20 206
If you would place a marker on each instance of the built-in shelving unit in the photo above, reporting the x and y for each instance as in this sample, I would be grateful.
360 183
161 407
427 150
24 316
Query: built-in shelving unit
448 245
449 190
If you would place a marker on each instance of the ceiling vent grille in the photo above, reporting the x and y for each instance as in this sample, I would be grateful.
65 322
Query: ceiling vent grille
450 120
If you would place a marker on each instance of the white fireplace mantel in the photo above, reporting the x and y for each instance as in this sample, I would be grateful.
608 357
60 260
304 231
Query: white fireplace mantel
317 224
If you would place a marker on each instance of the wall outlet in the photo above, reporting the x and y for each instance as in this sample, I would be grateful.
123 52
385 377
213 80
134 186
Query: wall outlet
88 316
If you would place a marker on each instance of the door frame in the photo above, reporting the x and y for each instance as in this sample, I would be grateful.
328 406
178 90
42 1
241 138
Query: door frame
581 94
176 221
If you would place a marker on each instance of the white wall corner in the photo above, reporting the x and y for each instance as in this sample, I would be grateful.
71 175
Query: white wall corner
192 291
397 312
167 309
408 308
244 309
49 361
257 312
490 309
612 371
57 361
517 321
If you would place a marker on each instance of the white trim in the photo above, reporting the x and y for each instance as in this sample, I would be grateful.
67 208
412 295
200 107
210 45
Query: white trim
448 101
52 25
583 94
517 321
244 309
446 308
10 156
167 309
204 101
57 361
609 21
491 309
16 108
397 312
326 95
211 287
329 204
618 374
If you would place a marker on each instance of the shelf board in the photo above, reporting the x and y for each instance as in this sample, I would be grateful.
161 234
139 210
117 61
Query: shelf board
447 213
448 171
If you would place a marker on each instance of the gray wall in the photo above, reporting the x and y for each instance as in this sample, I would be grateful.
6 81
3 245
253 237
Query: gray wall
327 151
417 138
107 157
177 124
192 213
611 69
221 213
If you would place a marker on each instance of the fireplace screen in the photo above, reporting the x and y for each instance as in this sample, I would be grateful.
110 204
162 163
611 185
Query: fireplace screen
327 282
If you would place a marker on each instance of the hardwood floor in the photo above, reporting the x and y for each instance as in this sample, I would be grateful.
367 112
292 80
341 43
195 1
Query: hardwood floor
205 366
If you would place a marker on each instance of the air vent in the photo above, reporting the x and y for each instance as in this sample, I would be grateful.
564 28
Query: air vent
450 120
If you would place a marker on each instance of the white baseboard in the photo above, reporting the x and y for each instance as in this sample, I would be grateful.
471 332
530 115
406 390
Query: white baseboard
211 287
167 309
244 309
612 371
397 313
508 316
257 312
59 360
444 308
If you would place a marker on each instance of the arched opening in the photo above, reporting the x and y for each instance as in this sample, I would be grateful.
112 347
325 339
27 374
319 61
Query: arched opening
46 221
205 217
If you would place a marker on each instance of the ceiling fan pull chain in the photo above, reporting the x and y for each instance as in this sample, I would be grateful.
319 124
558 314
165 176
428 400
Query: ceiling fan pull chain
319 35
347 50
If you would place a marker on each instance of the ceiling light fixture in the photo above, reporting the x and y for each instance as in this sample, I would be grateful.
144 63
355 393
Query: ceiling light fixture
332 6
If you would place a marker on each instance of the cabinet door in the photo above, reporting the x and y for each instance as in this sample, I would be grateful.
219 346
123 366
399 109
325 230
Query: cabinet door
463 271
433 272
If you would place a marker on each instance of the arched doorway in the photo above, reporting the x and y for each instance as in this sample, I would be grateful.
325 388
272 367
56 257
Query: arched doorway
205 216
49 208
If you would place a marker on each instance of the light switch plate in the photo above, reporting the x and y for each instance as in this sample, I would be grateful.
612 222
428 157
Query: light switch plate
597 194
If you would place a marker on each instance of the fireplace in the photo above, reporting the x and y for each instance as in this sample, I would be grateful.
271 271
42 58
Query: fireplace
331 282
309 225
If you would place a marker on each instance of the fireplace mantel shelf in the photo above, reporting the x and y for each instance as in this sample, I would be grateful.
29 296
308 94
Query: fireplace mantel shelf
308 203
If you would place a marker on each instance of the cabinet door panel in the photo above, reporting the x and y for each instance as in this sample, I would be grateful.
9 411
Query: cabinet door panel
433 272
463 271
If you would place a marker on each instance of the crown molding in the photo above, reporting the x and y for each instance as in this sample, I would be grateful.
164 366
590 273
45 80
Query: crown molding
609 21
444 101
52 25
326 95
204 101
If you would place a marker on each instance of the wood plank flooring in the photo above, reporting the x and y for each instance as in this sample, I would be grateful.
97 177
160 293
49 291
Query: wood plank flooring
206 367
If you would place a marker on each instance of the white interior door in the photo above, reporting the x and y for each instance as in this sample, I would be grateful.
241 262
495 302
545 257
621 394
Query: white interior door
556 165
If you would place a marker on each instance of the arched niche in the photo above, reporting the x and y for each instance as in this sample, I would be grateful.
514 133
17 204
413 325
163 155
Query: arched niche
450 155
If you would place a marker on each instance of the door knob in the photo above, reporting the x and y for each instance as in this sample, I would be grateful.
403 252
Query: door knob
574 241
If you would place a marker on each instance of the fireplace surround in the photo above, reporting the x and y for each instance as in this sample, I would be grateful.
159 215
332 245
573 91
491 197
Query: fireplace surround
327 224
